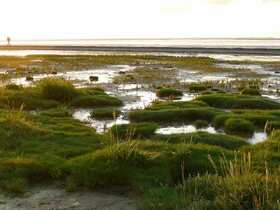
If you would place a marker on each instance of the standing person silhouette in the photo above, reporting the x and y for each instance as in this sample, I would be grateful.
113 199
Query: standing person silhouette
9 40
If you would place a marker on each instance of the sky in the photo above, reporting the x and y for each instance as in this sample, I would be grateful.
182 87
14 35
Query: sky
85 19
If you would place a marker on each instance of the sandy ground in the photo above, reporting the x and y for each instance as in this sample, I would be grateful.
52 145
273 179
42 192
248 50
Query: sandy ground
52 198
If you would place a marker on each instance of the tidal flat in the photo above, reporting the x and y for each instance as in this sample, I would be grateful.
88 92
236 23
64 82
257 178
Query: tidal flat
145 131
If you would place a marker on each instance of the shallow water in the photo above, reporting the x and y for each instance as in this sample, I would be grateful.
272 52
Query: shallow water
183 129
257 137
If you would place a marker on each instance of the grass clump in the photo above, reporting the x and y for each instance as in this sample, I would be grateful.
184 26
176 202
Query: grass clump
134 130
16 127
271 126
199 87
107 167
201 123
13 87
250 91
57 89
87 101
239 127
225 141
167 116
105 113
168 93
233 101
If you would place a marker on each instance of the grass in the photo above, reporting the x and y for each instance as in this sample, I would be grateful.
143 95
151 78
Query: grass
239 127
54 93
105 113
232 101
137 130
225 141
167 116
92 101
168 93
57 89
250 91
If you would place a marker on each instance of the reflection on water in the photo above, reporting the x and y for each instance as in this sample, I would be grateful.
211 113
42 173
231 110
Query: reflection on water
183 129
258 137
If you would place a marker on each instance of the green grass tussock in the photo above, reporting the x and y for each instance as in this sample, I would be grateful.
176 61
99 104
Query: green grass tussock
225 141
107 167
168 93
134 130
167 116
232 101
105 113
250 91
96 101
239 127
57 89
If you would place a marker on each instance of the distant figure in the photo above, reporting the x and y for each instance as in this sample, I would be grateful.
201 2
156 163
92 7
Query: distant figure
9 40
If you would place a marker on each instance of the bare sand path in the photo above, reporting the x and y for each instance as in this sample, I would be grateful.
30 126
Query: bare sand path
52 198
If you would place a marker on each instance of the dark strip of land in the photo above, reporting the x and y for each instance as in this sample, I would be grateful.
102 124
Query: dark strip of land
218 50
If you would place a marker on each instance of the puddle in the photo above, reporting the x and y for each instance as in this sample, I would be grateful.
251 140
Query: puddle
258 137
183 129
101 126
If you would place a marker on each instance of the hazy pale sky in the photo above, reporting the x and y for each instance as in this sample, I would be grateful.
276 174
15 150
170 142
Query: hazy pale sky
59 19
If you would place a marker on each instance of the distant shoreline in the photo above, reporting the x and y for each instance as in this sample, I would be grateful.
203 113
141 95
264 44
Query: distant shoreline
132 49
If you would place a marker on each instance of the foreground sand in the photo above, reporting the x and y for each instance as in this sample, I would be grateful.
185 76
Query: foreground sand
50 198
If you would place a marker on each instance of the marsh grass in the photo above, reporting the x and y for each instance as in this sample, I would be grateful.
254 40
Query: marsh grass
169 93
234 101
134 130
105 113
57 89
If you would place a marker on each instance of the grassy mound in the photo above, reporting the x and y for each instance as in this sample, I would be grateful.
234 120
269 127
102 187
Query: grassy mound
57 89
239 127
16 173
105 113
107 167
250 91
16 127
199 87
225 141
166 116
176 105
25 98
168 93
134 130
88 101
232 101
201 123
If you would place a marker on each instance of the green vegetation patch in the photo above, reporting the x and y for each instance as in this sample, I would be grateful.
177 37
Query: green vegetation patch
167 116
168 93
57 89
239 127
225 141
234 101
134 130
105 113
